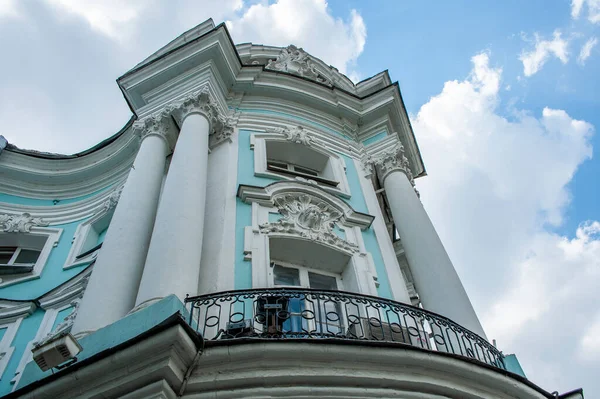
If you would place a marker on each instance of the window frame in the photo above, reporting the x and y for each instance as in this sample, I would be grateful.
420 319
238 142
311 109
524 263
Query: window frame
303 277
25 267
51 239
338 185
79 253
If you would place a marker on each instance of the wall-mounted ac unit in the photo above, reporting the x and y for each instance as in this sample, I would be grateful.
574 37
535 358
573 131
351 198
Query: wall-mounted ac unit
56 351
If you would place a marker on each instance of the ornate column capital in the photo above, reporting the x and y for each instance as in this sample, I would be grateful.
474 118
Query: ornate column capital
389 161
202 102
160 125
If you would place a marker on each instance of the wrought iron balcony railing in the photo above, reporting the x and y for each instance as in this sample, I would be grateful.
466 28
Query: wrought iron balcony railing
317 314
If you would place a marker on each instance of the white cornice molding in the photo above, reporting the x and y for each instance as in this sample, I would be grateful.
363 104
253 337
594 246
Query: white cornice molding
66 292
13 310
62 214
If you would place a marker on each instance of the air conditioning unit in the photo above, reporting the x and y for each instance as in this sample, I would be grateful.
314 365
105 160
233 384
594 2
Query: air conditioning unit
239 329
56 351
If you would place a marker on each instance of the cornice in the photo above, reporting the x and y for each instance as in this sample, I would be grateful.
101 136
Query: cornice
62 214
12 310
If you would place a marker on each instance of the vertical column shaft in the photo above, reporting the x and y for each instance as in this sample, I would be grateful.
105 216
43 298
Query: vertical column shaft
435 278
173 262
111 290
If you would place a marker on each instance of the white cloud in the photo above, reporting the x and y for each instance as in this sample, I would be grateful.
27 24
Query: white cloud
534 60
495 185
8 8
586 50
590 343
593 7
305 23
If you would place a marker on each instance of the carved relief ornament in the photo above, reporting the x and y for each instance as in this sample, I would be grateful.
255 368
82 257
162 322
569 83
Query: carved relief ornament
388 161
307 217
20 223
297 61
295 134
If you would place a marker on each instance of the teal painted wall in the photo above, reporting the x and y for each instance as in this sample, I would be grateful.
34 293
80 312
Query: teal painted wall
243 268
15 199
61 316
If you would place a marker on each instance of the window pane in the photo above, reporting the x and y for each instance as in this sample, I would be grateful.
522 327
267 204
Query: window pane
277 164
321 282
27 256
6 254
305 171
285 276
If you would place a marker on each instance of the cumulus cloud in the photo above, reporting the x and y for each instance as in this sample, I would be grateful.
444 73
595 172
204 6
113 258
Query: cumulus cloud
535 59
496 186
306 23
87 44
586 50
593 8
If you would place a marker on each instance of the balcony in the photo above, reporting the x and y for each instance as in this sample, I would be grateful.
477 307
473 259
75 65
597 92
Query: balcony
335 316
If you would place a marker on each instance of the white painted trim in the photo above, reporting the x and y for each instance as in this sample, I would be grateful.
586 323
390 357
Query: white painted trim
52 238
6 342
396 279
80 238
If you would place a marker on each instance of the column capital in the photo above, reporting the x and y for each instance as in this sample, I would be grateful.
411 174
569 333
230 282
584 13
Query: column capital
389 161
160 125
203 103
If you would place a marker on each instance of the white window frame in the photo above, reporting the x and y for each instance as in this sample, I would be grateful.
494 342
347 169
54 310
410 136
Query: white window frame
16 253
52 237
258 142
303 275
80 238
6 343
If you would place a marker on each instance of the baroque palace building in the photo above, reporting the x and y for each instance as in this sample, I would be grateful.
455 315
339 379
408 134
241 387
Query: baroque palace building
252 232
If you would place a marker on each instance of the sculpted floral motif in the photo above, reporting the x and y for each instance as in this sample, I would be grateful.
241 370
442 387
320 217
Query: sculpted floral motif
159 125
297 61
295 134
19 223
63 328
112 200
307 217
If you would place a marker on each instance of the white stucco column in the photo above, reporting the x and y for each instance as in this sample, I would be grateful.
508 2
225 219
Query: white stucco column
113 285
173 262
436 280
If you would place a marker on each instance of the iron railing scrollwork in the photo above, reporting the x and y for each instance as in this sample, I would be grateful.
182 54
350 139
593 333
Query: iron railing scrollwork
316 314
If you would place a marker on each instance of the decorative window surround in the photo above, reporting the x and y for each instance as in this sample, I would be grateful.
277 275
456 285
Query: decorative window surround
87 233
309 215
334 170
22 230
68 295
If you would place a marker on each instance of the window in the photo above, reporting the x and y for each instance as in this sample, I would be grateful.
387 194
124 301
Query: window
327 314
280 159
18 259
24 255
88 239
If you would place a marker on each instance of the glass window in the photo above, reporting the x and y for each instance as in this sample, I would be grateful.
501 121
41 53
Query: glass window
306 171
6 254
321 282
286 276
27 256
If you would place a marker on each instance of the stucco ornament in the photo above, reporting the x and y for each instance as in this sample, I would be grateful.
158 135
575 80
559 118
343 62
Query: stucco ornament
112 200
307 217
295 134
388 161
19 223
297 61
202 102
63 328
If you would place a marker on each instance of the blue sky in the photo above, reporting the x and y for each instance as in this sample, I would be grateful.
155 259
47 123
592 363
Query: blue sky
504 109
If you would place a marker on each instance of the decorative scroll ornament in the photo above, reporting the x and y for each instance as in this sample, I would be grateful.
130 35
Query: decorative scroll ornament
19 223
388 161
295 134
307 217
297 61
